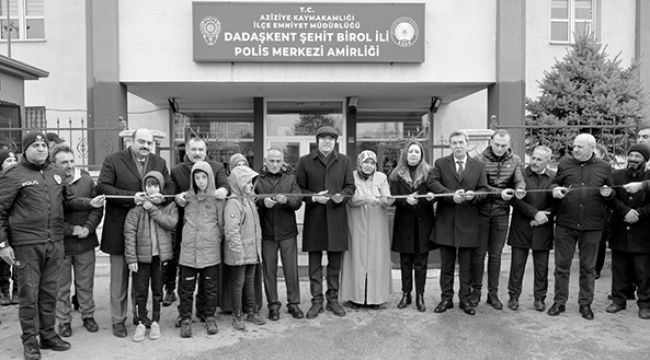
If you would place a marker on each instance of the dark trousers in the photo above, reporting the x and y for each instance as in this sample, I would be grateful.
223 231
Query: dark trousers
565 244
602 247
187 284
493 231
518 266
146 272
410 262
38 278
5 276
622 277
243 283
448 255
289 254
171 270
334 259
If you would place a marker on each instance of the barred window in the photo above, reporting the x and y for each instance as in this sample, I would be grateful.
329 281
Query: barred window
35 117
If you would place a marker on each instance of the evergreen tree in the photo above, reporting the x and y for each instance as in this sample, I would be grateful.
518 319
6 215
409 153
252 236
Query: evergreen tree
586 92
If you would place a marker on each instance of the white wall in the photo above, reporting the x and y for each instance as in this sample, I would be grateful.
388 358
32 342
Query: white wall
617 33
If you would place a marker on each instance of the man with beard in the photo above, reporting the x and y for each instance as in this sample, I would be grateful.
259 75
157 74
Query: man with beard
630 225
195 150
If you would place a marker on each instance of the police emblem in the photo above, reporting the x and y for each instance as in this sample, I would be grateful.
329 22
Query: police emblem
57 178
210 28
404 32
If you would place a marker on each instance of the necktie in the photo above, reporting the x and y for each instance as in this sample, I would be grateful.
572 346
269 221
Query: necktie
460 168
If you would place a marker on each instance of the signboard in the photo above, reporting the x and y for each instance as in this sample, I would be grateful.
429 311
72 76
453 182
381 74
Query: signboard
308 32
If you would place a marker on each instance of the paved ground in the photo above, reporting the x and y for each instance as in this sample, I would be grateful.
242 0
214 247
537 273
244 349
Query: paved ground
374 334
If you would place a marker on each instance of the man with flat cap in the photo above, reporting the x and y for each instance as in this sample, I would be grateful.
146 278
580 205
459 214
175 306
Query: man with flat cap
326 174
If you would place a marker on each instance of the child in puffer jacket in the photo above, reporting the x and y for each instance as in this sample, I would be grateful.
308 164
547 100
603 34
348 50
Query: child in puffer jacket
201 247
148 245
243 250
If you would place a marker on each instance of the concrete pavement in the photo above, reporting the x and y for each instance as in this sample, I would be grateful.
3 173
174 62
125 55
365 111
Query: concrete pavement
373 334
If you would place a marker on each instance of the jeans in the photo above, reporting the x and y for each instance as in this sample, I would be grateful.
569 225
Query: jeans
146 272
334 259
242 281
493 232
187 284
409 263
289 254
565 244
83 266
518 267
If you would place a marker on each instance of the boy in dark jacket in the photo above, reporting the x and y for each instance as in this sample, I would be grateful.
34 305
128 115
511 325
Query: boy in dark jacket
80 242
148 232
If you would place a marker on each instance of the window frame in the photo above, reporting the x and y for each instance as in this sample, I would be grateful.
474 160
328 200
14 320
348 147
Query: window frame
21 17
572 21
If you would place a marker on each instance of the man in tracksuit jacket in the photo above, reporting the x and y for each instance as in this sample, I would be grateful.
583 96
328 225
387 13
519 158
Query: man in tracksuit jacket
32 197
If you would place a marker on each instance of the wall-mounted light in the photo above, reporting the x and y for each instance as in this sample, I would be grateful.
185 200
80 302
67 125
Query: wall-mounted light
435 104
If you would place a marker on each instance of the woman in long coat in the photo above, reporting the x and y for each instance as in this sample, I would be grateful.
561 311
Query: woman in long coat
413 220
366 273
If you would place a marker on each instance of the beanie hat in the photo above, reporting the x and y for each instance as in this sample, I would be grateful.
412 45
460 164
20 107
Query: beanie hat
235 158
33 137
327 131
642 149
4 154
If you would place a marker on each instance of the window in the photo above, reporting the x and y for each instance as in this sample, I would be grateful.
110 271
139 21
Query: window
570 17
35 117
26 20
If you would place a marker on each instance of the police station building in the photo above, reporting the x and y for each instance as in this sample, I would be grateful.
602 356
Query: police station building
249 75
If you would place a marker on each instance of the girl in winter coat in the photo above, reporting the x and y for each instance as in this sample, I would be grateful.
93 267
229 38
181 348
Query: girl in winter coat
200 249
243 250
148 231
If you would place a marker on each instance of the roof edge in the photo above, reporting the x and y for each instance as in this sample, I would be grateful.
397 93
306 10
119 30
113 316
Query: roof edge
21 69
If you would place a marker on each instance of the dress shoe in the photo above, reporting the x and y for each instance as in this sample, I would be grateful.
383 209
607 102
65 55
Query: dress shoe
539 305
335 307
556 309
295 311
55 343
419 303
274 314
467 308
314 310
585 311
405 301
169 298
90 324
644 313
119 330
65 330
475 299
31 351
513 303
352 305
443 306
493 300
615 307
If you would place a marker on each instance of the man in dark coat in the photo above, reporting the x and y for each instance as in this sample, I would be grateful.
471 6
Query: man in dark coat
121 175
504 173
33 196
531 228
195 150
279 232
456 231
80 243
582 185
327 175
630 229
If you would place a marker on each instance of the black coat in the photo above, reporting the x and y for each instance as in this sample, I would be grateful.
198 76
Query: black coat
582 210
413 225
522 235
83 187
120 176
457 224
326 225
633 238
279 222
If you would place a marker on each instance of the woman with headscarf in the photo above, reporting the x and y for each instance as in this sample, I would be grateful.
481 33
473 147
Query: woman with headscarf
413 220
366 274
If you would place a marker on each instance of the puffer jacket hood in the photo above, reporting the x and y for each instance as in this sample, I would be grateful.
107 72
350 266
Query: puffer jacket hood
156 175
206 168
239 176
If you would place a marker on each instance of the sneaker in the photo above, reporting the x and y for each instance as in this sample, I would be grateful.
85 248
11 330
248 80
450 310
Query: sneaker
186 328
90 324
255 318
140 331
119 330
31 351
169 298
154 333
238 322
65 330
211 325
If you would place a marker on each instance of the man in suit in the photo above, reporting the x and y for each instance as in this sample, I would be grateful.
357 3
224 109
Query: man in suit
532 229
457 216
121 175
